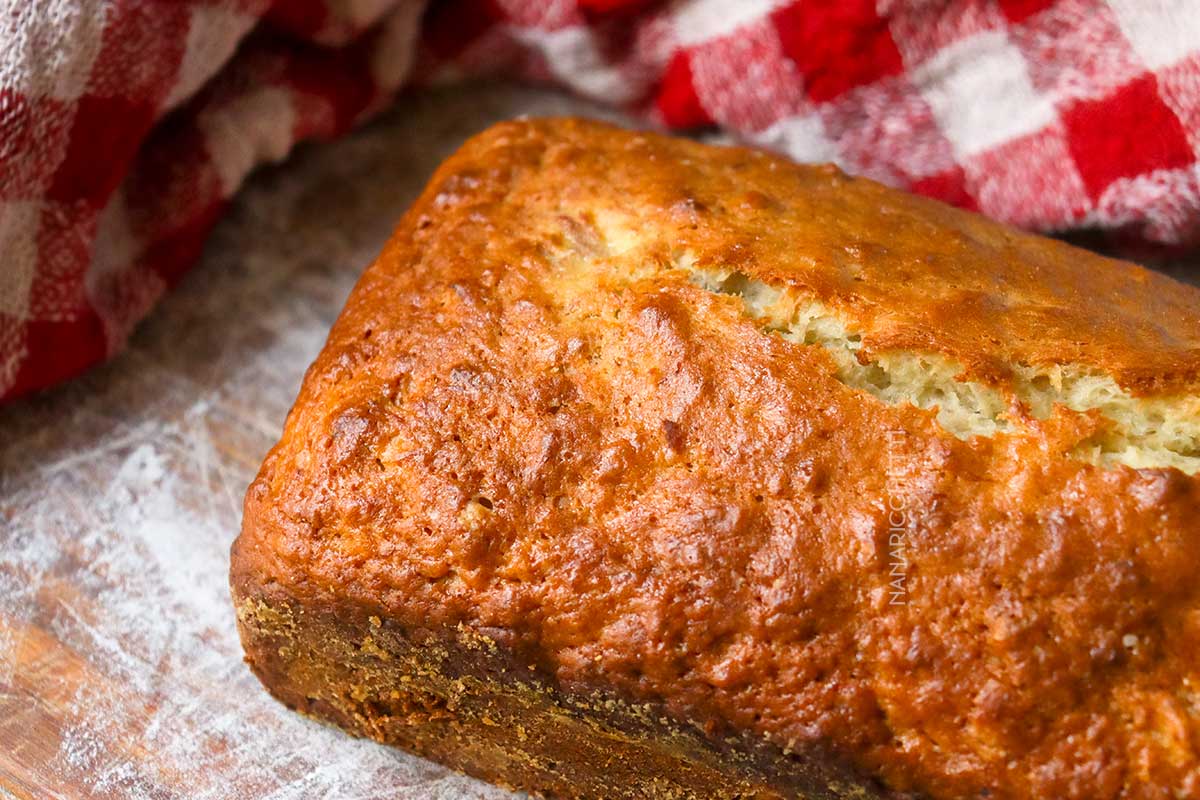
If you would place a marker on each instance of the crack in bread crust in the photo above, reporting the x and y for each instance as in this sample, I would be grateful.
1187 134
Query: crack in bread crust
1144 433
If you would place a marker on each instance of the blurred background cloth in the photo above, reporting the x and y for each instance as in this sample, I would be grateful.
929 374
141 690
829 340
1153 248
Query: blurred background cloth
127 125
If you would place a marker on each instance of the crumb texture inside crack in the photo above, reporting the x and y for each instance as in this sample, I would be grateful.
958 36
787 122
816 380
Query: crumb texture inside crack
1140 432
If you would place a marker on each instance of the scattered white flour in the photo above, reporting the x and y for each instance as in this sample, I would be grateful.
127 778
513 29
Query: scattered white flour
120 496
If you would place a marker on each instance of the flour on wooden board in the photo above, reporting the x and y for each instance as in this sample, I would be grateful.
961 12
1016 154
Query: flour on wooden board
158 630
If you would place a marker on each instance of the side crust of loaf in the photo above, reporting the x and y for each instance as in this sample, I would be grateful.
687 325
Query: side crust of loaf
462 699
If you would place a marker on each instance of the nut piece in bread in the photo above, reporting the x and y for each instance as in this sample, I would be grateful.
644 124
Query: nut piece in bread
636 467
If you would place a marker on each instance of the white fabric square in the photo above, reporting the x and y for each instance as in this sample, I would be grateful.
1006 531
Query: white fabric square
574 57
213 34
47 48
392 58
699 21
981 94
119 288
117 248
359 14
18 241
1161 32
803 138
253 128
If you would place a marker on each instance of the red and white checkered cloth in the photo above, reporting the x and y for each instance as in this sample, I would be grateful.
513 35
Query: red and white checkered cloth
126 125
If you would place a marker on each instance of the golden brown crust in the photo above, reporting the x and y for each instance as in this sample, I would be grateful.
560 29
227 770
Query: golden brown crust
528 424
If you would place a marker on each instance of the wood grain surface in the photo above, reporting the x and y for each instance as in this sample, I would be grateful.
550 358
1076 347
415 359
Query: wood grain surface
120 670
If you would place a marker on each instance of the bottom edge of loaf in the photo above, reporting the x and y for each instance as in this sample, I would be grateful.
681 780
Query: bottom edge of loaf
459 699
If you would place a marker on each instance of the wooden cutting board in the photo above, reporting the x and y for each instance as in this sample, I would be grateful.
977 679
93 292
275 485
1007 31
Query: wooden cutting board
120 670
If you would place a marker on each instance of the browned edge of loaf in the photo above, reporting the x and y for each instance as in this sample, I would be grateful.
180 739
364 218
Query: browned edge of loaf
460 699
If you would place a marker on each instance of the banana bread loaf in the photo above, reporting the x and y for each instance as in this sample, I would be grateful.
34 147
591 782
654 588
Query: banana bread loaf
636 467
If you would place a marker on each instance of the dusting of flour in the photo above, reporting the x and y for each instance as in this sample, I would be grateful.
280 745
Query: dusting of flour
120 669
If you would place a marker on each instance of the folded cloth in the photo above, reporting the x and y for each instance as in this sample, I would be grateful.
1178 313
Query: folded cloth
127 125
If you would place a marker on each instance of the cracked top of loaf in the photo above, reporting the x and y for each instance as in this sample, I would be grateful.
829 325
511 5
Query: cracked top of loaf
787 451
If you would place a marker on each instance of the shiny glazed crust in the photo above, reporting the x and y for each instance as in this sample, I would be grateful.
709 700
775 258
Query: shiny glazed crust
561 505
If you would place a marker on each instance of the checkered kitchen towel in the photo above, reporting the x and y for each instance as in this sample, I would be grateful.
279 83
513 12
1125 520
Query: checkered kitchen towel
126 125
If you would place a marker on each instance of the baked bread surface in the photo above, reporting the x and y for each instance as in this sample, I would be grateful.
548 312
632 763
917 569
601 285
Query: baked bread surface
640 467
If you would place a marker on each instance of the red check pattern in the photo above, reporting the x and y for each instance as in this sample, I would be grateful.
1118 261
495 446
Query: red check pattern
127 125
